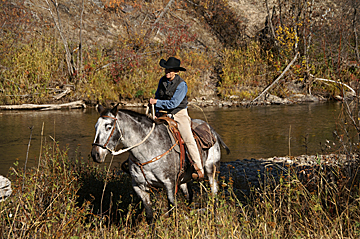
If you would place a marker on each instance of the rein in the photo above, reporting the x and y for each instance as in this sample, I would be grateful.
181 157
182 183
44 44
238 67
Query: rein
147 136
113 152
141 165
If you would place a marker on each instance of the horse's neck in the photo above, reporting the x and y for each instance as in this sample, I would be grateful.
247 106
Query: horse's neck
135 132
132 129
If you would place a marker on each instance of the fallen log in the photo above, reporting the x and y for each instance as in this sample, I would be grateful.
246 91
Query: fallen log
71 105
62 94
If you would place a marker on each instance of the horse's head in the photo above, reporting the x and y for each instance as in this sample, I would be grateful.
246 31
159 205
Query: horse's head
107 134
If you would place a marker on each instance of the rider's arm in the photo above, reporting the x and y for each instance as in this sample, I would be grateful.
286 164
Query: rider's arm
175 101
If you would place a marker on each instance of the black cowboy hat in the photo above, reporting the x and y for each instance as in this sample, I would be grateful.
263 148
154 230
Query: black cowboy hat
172 63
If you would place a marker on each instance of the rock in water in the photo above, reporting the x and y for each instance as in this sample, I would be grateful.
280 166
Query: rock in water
5 188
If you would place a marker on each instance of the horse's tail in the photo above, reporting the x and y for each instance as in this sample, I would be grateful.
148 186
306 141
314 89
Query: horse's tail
220 140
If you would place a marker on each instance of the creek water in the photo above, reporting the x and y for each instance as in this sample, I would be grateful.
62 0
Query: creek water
256 132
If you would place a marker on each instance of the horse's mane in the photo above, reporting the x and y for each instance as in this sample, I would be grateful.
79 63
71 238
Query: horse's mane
134 114
140 117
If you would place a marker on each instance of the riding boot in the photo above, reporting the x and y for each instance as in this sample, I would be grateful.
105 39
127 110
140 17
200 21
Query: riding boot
198 175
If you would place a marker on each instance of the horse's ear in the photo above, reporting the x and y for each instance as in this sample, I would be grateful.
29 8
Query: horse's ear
100 108
114 110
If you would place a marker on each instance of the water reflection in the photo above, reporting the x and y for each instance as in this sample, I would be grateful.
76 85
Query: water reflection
249 132
264 131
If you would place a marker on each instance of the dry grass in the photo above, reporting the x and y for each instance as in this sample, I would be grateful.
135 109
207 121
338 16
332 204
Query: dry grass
72 198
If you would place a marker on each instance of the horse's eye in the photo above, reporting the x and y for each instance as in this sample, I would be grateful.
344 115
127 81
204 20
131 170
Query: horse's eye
108 127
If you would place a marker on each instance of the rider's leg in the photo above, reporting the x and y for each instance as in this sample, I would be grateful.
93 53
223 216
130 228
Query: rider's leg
184 125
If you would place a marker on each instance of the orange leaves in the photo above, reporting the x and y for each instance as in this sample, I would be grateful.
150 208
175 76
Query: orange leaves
122 5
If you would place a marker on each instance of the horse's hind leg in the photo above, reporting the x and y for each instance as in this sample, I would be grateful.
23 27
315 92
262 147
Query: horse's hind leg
211 173
145 197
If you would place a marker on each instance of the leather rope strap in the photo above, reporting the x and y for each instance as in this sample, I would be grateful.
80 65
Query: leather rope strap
112 132
177 135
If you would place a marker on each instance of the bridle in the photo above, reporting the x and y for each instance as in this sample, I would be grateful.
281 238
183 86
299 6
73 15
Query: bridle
111 134
124 150
112 151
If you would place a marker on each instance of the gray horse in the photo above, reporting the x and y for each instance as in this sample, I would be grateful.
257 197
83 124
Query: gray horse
148 170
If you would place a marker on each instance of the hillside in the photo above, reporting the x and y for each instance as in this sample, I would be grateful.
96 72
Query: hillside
231 47
105 22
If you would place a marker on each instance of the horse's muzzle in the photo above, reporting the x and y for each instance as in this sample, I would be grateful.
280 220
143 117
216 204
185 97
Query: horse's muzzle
96 153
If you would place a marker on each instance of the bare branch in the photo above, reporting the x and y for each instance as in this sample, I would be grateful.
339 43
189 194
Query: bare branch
337 82
80 61
57 23
167 7
270 22
282 74
356 36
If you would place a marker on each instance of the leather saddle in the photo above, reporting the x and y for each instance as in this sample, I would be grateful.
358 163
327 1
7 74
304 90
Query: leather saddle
202 134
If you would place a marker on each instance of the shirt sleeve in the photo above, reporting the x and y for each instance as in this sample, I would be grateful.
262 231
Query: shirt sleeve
175 101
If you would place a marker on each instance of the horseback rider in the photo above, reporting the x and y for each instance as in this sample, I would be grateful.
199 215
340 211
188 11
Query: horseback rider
171 98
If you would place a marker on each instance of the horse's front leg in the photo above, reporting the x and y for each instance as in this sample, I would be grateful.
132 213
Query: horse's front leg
145 197
188 193
170 191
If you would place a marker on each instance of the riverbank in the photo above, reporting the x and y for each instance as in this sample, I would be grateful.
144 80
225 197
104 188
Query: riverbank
199 101
253 172
233 101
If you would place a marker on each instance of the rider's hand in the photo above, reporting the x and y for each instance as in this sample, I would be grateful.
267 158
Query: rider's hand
152 101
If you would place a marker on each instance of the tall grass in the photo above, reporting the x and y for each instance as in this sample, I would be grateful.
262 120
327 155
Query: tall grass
244 70
74 198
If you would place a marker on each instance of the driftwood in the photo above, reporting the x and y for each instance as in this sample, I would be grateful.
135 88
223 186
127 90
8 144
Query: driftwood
71 105
336 82
5 188
62 94
277 79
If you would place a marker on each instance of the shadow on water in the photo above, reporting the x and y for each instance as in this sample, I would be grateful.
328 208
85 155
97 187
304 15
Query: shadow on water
111 196
256 132
115 202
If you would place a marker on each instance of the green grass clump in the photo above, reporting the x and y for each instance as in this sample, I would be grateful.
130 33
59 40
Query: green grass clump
244 70
30 73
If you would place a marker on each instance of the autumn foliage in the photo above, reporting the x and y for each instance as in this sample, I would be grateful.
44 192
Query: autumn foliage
126 66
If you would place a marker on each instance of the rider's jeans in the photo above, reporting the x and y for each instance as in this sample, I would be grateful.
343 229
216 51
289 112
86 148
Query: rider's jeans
184 125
